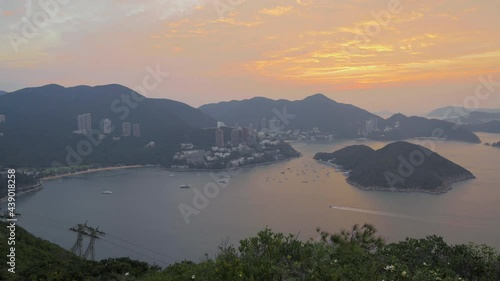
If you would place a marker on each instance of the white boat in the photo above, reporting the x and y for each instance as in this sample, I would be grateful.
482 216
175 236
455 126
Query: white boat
185 186
171 175
223 181
107 192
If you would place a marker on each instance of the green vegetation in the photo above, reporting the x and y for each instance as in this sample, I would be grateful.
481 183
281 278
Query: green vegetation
399 165
37 259
357 254
40 125
22 180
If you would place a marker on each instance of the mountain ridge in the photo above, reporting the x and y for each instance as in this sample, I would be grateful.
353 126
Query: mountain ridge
313 111
41 121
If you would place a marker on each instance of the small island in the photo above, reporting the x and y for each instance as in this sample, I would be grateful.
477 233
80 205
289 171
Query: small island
399 166
495 144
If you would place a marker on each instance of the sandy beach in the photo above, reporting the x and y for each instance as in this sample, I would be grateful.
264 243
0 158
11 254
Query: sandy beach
90 171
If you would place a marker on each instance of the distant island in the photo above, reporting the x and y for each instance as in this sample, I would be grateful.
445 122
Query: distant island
399 166
401 127
492 127
495 144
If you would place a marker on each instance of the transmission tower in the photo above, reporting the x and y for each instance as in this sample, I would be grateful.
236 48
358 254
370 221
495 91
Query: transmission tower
80 230
94 234
85 230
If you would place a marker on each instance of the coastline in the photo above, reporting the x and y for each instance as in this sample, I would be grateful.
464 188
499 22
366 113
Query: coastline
31 188
44 179
437 190
225 169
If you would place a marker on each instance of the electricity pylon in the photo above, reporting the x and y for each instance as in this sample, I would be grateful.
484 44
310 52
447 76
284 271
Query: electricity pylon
84 230
77 247
94 234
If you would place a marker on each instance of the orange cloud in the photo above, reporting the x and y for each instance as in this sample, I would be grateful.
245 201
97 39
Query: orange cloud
277 11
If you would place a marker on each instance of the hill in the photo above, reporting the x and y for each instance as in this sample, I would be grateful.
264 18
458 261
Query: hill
38 259
384 114
457 112
40 124
400 127
314 111
488 127
399 166
345 121
354 254
476 118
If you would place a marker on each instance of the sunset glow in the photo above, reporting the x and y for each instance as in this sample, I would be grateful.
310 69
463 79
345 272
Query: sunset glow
278 49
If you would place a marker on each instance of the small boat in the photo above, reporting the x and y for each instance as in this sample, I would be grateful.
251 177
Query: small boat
185 186
107 192
171 175
223 181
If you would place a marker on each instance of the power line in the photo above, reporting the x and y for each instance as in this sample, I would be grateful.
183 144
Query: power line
121 246
110 242
61 225
152 251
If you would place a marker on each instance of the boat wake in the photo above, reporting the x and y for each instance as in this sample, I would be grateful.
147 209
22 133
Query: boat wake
395 215
379 213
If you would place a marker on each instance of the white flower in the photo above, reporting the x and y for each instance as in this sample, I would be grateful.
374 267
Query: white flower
403 273
126 274
193 277
390 267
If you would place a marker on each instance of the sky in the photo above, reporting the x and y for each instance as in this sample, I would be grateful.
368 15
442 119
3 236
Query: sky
407 56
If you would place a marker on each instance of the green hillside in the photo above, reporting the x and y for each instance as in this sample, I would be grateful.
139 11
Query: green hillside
40 125
355 255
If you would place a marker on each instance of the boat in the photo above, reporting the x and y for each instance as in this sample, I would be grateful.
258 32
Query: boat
107 192
171 175
185 186
223 181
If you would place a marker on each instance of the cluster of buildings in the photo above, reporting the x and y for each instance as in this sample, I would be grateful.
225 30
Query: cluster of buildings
390 129
129 129
220 157
313 134
238 136
269 129
234 147
368 127
84 126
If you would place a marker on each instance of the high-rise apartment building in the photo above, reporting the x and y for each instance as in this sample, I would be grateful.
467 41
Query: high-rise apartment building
136 130
127 129
219 137
107 126
84 122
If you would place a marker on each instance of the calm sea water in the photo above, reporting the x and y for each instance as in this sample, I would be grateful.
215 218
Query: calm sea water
142 220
